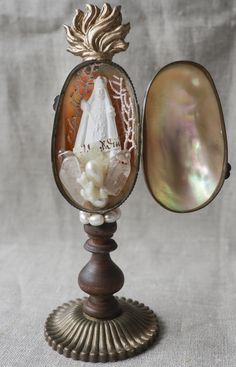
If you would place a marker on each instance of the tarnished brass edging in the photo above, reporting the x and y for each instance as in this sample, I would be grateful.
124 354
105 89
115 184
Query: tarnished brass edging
76 336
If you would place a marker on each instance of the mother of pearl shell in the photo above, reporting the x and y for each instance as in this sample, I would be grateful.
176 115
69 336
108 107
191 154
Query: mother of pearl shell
184 143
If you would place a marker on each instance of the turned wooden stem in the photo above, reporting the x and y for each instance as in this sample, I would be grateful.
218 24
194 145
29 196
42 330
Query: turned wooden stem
101 277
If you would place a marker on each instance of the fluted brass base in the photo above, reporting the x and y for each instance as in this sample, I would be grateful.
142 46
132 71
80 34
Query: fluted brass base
75 335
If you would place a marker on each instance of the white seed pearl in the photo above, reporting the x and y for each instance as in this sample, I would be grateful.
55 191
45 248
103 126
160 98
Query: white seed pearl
112 216
118 213
84 217
96 220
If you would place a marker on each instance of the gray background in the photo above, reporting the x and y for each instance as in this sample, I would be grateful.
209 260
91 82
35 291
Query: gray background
182 266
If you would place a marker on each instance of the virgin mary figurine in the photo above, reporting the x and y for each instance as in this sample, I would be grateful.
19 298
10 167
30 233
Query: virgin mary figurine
97 130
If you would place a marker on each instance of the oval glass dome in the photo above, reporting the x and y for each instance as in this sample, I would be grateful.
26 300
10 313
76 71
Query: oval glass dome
95 142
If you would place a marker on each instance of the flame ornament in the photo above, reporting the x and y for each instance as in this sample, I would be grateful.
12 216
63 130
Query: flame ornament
97 33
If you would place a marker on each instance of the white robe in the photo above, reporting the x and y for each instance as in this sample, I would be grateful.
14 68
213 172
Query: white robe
98 120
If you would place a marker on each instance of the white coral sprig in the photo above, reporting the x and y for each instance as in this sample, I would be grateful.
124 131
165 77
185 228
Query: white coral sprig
127 111
97 33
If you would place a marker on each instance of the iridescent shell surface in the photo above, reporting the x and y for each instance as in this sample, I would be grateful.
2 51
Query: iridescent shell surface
95 143
184 143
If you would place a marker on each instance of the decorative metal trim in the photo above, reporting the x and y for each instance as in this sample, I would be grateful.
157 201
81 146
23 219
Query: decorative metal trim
97 33
71 333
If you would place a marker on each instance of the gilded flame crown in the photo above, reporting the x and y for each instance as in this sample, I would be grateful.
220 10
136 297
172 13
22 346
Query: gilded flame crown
97 33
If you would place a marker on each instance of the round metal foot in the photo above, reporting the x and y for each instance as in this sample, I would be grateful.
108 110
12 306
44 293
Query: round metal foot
75 335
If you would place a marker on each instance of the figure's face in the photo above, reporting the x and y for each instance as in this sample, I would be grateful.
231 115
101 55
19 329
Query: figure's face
99 86
101 93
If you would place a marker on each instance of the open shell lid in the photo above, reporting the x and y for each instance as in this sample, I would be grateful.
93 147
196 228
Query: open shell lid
185 156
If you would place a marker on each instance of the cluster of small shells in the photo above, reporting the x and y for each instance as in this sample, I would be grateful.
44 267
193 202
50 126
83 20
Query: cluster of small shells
99 219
